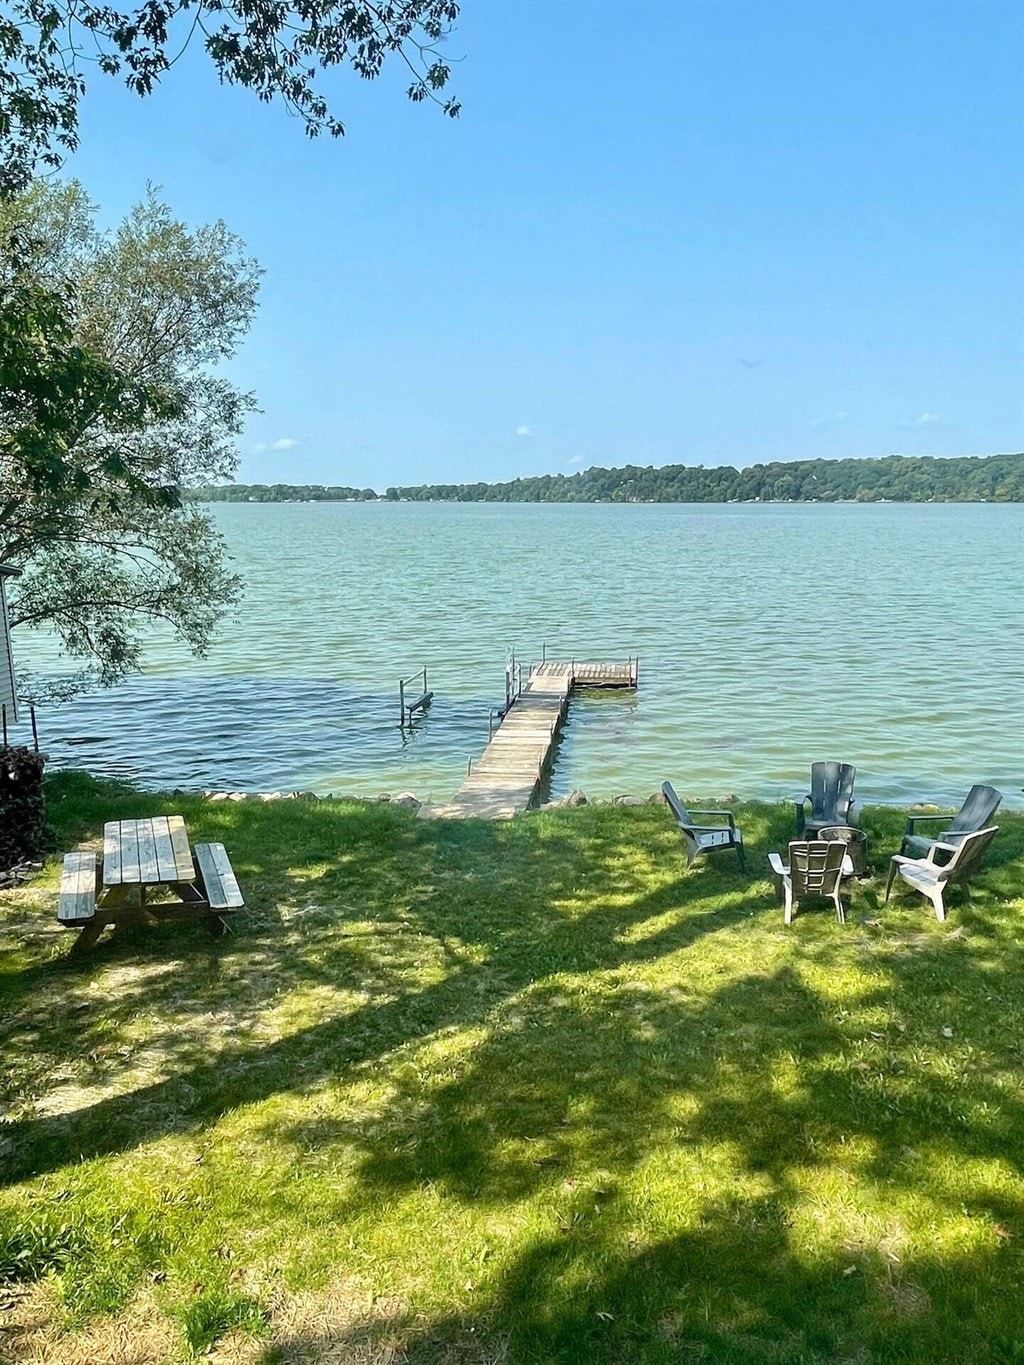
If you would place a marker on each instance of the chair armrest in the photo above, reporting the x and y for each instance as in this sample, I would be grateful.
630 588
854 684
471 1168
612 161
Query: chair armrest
707 829
777 865
913 820
801 817
939 847
726 813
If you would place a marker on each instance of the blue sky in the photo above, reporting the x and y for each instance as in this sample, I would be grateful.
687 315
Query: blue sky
709 233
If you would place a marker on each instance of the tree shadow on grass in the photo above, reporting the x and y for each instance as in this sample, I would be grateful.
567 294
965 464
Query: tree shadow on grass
802 1095
787 1267
383 891
539 936
735 1288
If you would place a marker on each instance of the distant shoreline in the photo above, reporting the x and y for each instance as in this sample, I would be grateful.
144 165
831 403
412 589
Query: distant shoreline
382 501
894 478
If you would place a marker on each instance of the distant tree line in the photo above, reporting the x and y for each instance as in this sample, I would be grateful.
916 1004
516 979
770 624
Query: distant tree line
282 492
896 478
996 478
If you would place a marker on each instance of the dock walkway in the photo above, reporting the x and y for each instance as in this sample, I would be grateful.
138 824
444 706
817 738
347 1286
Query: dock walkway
507 777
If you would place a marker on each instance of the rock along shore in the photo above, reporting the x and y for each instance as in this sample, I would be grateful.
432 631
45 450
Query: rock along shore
413 802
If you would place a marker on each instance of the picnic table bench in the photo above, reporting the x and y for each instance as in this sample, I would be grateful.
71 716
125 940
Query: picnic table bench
140 856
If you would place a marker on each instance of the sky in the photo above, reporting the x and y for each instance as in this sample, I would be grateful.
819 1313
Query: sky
702 233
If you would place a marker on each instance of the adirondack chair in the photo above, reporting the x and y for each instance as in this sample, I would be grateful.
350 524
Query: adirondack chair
831 798
931 877
816 868
698 839
975 813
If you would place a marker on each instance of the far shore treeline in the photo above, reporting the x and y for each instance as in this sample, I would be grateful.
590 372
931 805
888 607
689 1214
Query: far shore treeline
896 478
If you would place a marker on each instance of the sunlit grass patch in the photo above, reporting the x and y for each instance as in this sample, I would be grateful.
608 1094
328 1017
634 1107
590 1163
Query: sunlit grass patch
529 1091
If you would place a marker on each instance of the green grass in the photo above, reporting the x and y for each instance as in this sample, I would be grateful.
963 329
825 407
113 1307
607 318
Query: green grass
529 1091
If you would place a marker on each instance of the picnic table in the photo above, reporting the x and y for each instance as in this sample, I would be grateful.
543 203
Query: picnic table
141 859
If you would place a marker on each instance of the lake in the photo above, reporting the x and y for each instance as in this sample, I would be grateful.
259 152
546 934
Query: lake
889 635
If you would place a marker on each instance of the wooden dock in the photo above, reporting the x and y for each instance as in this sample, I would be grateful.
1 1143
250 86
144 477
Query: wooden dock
508 775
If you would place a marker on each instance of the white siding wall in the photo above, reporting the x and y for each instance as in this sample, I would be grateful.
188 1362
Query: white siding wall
7 696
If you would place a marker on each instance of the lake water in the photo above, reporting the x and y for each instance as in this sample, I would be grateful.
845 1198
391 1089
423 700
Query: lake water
888 635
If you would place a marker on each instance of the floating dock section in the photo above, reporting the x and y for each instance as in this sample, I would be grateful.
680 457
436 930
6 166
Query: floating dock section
507 777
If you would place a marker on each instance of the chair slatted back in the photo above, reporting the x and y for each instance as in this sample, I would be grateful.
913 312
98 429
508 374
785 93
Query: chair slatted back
815 866
832 791
970 851
683 817
981 804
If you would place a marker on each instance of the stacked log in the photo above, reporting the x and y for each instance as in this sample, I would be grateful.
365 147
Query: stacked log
24 832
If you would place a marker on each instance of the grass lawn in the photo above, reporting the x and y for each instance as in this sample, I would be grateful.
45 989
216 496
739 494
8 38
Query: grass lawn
515 1092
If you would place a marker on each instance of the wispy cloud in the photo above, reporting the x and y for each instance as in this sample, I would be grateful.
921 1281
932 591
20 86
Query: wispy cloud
928 421
524 431
837 419
576 459
749 364
285 443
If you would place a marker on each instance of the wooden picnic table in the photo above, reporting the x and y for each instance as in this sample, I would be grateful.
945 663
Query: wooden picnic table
139 858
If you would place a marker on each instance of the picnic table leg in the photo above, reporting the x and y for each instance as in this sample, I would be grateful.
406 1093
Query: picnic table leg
118 900
112 897
86 939
191 895
108 898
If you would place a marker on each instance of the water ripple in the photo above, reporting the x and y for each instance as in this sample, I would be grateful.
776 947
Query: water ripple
768 636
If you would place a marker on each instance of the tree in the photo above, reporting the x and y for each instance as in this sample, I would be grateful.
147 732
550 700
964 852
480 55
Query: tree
51 388
279 50
112 405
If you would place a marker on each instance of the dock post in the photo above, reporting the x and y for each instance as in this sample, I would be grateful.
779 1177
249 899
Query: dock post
401 700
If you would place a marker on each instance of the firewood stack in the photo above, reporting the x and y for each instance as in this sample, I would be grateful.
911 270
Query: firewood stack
24 832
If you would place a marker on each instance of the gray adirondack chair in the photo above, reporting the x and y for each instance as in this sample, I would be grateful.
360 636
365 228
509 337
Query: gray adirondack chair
831 798
975 813
816 868
699 839
931 878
